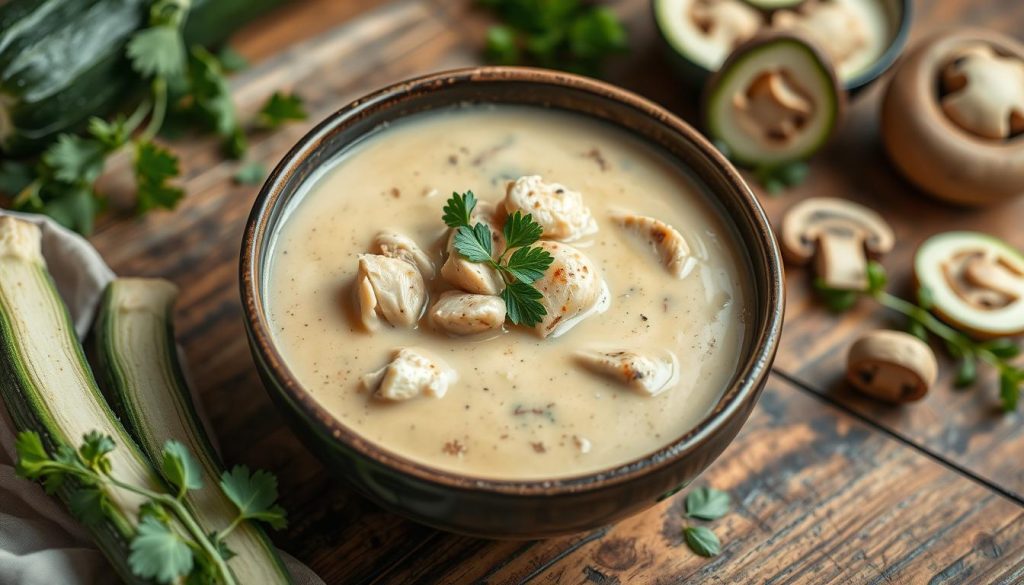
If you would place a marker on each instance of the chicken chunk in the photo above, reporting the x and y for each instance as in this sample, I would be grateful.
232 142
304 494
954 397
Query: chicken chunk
472 277
396 245
664 240
559 210
389 289
460 313
572 287
410 373
647 373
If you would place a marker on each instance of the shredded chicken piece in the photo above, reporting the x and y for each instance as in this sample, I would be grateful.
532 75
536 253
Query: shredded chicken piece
664 240
460 313
572 287
396 245
389 289
648 373
409 374
557 209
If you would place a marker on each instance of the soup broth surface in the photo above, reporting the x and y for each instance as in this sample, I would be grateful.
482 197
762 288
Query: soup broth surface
522 407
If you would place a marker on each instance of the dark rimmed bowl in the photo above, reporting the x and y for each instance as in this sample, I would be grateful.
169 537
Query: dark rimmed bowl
536 508
899 10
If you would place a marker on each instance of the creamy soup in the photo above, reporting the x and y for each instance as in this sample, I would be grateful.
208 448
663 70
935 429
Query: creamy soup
516 405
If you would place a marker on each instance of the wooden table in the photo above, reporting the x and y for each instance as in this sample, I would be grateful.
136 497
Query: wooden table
828 486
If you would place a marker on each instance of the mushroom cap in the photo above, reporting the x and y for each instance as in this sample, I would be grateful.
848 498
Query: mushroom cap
891 365
808 219
932 150
976 281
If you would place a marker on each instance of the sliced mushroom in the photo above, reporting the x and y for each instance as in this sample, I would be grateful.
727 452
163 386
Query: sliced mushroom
572 287
472 277
725 23
396 245
840 235
773 105
460 313
389 289
647 373
985 92
834 26
976 282
892 366
559 210
664 240
411 373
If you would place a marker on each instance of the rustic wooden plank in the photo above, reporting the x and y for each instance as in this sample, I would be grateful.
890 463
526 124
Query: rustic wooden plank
819 498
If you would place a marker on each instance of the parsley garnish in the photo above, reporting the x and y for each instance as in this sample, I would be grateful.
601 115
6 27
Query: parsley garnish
561 34
169 544
250 174
921 322
519 269
280 108
705 503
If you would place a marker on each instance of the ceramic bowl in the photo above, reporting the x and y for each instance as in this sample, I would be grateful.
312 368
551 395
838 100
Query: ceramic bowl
534 508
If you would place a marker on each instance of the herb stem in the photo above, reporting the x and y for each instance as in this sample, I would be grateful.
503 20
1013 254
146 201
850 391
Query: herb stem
230 527
156 120
138 115
922 316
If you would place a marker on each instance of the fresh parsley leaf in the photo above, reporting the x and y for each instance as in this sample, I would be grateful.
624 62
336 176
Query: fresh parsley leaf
458 210
32 456
154 166
14 177
707 503
180 468
702 541
877 278
502 47
254 494
74 159
222 547
967 372
111 134
521 230
212 98
595 34
90 505
522 301
157 51
231 60
158 553
250 174
94 450
280 108
1009 389
474 243
528 264
1002 348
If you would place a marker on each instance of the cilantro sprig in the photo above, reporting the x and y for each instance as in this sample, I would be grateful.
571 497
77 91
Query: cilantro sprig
168 543
519 269
185 83
997 353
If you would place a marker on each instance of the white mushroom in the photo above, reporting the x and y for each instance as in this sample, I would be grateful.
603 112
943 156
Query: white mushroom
396 245
557 209
892 366
460 313
572 287
389 289
409 374
986 92
725 23
648 373
663 239
773 108
834 26
840 235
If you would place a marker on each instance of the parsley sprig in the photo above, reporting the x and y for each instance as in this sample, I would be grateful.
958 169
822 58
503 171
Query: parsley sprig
921 322
168 542
184 83
519 269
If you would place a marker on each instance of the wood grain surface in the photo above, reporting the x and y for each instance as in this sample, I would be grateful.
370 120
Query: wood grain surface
828 486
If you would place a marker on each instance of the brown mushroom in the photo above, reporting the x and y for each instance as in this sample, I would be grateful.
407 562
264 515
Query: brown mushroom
839 235
962 143
891 366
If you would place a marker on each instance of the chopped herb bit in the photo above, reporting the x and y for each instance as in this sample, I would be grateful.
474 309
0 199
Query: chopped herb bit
707 503
280 108
702 541
250 174
231 60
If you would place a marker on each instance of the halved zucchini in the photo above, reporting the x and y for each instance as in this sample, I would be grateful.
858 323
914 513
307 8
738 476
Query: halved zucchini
48 387
138 362
976 282
776 100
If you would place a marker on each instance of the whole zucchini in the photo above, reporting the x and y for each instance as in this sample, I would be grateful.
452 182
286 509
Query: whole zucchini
62 61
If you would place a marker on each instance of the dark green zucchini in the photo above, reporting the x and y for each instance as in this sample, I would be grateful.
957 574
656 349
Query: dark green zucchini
62 61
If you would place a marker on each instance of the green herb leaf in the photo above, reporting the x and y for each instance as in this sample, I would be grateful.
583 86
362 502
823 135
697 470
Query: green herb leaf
250 174
967 372
94 450
596 34
925 298
75 159
232 60
280 108
522 301
158 51
501 47
1009 389
14 177
180 468
154 165
254 495
877 278
474 243
836 300
528 264
32 456
1002 348
458 210
212 97
222 547
89 505
707 503
111 134
702 541
918 330
72 206
158 553
521 230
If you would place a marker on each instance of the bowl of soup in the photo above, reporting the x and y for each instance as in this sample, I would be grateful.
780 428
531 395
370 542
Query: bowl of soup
511 302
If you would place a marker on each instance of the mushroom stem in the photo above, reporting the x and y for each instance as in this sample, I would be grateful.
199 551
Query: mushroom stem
841 261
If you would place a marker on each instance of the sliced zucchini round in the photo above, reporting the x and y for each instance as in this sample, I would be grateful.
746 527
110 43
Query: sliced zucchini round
776 100
701 34
976 282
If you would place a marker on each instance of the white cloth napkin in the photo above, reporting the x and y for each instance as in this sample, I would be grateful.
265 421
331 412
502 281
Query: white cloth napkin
40 544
